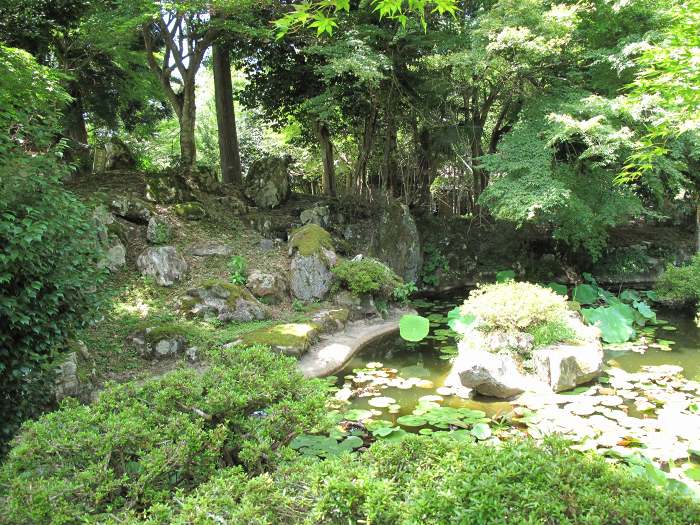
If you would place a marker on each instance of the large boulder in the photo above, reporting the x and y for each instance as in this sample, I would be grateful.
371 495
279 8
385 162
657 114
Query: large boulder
131 208
313 257
267 182
113 249
190 211
160 342
223 301
496 364
396 241
565 366
158 230
489 374
117 156
163 263
319 215
67 382
267 286
167 187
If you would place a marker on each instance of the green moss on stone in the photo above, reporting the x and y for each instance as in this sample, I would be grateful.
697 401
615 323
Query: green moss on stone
290 338
191 211
233 291
310 239
166 331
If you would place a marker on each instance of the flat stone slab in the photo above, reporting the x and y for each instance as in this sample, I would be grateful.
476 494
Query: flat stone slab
331 353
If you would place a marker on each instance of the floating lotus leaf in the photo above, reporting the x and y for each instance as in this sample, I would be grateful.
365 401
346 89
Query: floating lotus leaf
374 424
411 421
381 402
414 327
383 431
432 397
351 442
357 414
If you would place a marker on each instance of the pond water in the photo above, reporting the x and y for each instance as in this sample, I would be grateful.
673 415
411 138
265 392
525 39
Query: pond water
429 361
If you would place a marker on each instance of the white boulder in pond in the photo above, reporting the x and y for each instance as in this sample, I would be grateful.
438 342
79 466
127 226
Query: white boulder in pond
496 371
564 366
489 374
163 263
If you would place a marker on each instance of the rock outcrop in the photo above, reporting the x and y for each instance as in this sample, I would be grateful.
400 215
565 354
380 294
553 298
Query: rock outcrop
131 208
223 301
158 230
267 182
267 286
313 257
163 263
492 365
397 243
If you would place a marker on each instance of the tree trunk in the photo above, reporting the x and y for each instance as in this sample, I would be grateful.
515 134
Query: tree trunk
188 149
74 118
366 147
324 139
697 225
226 117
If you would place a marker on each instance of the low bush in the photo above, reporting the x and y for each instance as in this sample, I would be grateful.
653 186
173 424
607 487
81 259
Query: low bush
368 276
424 480
680 285
140 443
514 306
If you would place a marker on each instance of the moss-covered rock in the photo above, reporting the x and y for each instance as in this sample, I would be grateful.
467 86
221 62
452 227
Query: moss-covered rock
191 211
310 240
167 187
223 301
292 339
161 341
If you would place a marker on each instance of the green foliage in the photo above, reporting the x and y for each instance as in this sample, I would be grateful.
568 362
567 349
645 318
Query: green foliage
161 235
680 284
404 291
368 276
48 263
413 327
551 332
433 262
425 480
617 317
554 169
514 306
238 270
504 276
144 444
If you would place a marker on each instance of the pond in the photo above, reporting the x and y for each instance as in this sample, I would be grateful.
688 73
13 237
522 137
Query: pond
639 410
429 361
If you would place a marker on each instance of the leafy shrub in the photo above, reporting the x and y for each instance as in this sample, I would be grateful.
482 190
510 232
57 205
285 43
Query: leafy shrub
433 262
141 442
367 276
423 480
48 251
514 306
238 267
680 285
403 291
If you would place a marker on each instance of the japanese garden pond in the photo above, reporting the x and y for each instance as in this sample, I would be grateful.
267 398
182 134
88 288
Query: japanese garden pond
640 407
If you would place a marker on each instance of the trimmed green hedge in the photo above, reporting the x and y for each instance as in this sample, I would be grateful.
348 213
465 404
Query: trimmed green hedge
141 443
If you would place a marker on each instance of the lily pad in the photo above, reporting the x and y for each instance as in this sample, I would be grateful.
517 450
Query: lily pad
414 327
585 294
411 421
357 414
381 402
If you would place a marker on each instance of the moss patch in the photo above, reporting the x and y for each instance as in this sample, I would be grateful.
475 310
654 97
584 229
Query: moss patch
289 338
166 331
229 291
191 211
310 239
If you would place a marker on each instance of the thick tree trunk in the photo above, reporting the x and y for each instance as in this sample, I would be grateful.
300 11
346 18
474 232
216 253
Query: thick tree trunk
366 147
226 117
188 149
324 139
74 118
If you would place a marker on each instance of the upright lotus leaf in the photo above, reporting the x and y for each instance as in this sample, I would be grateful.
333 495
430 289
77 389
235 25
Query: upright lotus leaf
558 288
481 431
585 294
645 310
615 322
629 296
458 322
505 276
414 327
